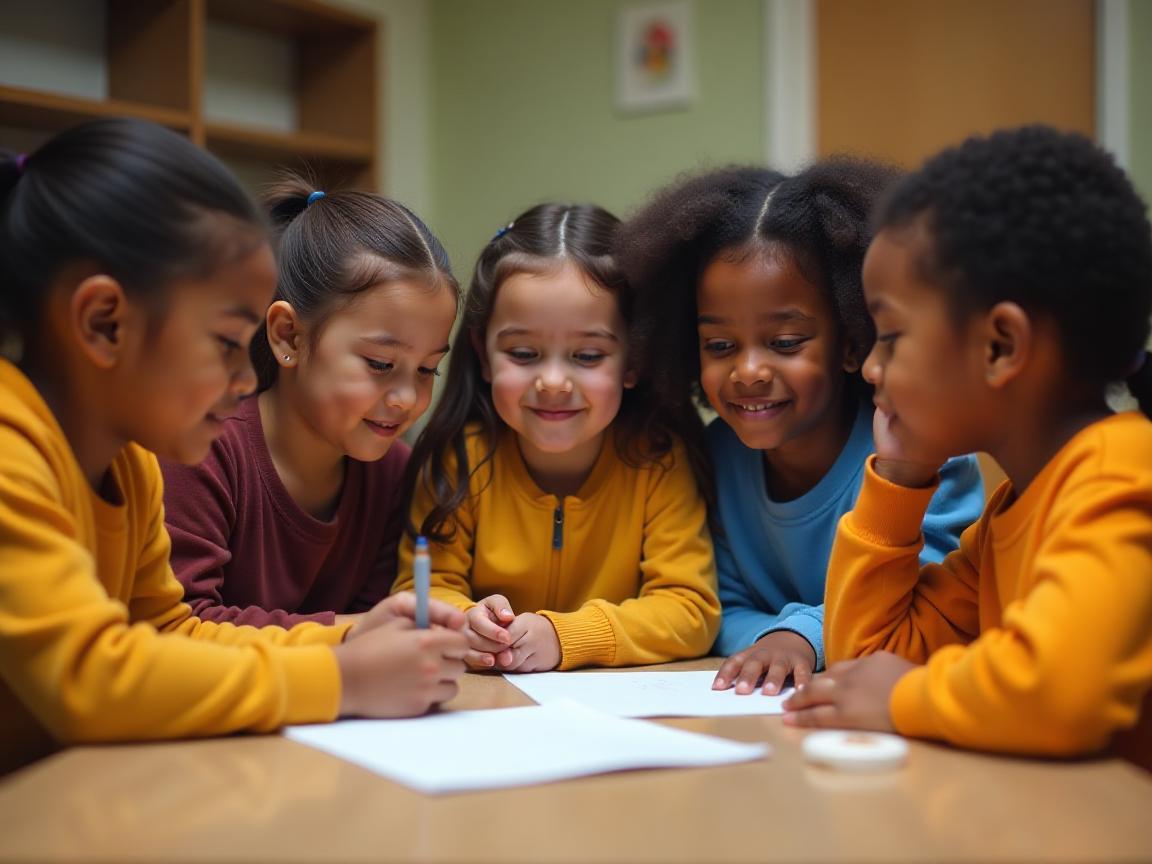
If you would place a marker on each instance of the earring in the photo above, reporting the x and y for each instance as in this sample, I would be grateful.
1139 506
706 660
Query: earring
287 357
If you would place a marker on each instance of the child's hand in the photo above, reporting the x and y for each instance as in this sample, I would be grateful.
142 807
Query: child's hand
487 632
535 645
774 656
898 460
402 606
850 695
397 670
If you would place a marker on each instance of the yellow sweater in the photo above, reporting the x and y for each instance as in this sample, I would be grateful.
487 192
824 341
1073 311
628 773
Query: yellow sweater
1037 632
623 570
96 643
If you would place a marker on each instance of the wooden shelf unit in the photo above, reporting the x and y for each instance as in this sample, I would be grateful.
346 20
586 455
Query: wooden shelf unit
155 58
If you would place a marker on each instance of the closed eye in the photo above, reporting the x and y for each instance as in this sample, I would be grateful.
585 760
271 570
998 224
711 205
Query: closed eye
786 346
522 355
378 365
230 346
428 371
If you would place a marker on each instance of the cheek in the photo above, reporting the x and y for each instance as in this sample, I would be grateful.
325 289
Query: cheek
711 379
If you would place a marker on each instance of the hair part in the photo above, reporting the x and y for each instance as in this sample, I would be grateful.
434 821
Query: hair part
333 249
1047 220
137 200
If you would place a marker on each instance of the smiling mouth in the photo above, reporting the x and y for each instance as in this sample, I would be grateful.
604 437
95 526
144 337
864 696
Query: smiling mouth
386 430
555 414
758 408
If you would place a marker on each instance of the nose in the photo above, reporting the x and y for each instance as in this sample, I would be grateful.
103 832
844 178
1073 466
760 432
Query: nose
873 369
244 380
751 367
553 378
401 394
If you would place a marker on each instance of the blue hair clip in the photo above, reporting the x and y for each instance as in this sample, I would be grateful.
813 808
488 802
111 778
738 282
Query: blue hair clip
502 232
314 196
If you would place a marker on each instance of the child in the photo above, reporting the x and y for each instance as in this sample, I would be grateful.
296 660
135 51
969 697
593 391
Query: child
296 513
753 278
564 513
134 272
1010 282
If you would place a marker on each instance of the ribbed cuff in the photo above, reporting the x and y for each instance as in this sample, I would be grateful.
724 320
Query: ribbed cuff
586 637
888 514
311 684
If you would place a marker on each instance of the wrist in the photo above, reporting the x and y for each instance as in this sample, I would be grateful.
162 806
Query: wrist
913 475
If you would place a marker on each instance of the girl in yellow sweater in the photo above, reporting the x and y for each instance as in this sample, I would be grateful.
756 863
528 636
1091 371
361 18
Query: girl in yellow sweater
1011 284
134 272
564 512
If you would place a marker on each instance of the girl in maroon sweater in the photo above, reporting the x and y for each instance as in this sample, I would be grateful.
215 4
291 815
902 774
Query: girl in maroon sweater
296 513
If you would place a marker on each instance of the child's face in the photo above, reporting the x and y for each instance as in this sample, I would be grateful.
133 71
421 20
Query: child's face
926 370
190 374
556 356
367 375
771 359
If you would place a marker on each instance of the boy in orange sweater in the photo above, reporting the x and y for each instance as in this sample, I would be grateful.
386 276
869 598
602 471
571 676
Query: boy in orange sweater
1011 284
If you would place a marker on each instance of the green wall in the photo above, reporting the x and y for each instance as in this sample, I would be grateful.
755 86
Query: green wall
523 90
1140 94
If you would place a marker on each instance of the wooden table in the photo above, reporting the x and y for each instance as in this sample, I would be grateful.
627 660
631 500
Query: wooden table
265 798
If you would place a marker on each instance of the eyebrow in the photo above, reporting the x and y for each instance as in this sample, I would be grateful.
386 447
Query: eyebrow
386 341
524 331
781 315
245 312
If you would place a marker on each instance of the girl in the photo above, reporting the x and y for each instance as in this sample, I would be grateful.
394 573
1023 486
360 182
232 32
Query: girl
296 513
1011 282
134 271
761 273
564 513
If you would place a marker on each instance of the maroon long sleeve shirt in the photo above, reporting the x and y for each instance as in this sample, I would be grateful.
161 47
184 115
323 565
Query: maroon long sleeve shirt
247 553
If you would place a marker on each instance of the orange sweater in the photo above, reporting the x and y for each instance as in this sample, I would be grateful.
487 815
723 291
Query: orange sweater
1036 634
96 643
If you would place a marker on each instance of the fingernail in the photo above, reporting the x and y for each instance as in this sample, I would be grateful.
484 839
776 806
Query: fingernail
719 684
771 688
743 687
506 612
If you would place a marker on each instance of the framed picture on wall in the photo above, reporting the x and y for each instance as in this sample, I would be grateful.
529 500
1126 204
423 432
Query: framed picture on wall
655 59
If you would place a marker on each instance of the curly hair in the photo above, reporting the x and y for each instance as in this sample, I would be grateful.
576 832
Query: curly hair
1045 219
537 241
819 218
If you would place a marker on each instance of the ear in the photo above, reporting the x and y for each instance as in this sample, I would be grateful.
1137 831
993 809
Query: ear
97 312
851 361
477 340
1008 335
285 333
630 379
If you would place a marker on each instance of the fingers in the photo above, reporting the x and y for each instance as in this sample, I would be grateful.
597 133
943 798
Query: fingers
801 675
728 671
779 669
479 643
820 691
479 659
441 614
749 675
481 622
501 609
823 716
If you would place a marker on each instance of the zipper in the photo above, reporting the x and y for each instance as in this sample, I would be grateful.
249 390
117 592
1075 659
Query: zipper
558 526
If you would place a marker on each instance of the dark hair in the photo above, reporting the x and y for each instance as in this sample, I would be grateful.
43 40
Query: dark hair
1045 219
537 241
335 247
134 198
819 218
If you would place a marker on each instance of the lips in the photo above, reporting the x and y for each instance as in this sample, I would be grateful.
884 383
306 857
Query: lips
555 414
384 430
754 408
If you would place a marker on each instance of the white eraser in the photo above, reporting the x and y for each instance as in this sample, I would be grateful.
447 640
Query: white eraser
855 751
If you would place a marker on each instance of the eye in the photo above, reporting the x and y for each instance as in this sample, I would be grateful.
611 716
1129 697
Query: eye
718 347
230 346
522 355
588 358
428 372
787 346
380 366
887 338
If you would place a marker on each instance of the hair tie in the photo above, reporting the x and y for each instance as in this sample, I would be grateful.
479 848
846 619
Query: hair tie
313 197
21 161
501 232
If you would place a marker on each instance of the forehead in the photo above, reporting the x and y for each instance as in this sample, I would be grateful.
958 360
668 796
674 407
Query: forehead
891 274
759 285
405 310
557 301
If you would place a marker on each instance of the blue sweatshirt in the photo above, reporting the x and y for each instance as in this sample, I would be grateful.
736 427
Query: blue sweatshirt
772 557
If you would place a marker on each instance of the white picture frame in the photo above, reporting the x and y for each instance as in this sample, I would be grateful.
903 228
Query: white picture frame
655 56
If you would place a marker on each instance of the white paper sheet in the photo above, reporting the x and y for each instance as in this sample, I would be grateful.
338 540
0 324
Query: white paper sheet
647 694
463 751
